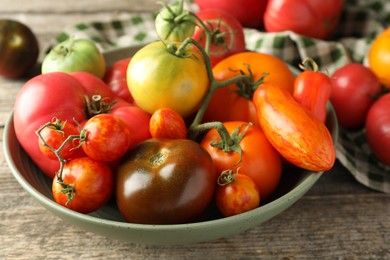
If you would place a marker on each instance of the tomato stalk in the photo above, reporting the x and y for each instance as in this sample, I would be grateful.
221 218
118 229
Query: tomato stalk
226 177
97 105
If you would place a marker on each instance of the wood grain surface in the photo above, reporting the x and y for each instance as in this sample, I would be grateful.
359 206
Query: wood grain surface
337 219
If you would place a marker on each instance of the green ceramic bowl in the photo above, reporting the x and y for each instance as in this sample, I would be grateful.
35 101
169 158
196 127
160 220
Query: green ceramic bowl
109 222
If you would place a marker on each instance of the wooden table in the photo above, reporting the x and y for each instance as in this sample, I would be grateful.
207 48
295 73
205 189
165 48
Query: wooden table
337 219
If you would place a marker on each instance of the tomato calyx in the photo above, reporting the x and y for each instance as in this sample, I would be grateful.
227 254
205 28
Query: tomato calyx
247 88
226 177
97 105
308 64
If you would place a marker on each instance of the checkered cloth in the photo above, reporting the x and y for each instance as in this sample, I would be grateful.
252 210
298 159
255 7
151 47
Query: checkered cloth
361 21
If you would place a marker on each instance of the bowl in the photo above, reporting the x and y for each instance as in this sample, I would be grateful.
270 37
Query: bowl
108 221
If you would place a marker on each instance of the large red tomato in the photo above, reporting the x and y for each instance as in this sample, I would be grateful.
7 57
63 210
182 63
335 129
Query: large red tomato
314 18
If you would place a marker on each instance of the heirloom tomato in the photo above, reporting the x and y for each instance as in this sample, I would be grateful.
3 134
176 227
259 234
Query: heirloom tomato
299 136
85 185
158 76
165 181
19 48
258 158
94 85
379 57
354 89
234 102
378 128
236 193
248 12
313 18
167 123
115 78
226 34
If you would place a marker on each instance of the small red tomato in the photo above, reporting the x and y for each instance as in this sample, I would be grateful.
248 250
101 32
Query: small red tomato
236 193
115 78
89 184
107 137
167 123
54 135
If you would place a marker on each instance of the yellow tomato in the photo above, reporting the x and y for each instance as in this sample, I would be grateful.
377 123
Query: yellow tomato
379 57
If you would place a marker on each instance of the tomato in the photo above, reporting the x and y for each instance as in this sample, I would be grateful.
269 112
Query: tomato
234 102
54 134
379 57
248 12
354 88
236 193
227 34
89 185
377 128
115 78
165 181
167 123
75 55
94 85
258 159
314 18
312 89
19 48
107 137
295 133
158 78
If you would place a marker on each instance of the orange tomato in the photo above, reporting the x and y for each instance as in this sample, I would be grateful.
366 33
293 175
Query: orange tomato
234 102
379 57
167 123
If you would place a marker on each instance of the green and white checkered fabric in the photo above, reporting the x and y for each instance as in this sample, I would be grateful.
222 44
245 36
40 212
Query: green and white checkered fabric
361 22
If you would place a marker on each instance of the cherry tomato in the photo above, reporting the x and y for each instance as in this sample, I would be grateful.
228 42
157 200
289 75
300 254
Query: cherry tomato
158 78
115 78
236 193
227 34
107 137
234 102
314 18
297 134
377 128
354 88
89 184
165 181
167 123
19 48
258 158
379 57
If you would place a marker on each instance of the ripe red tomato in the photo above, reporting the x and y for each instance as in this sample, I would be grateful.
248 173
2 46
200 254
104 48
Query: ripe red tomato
248 12
107 137
89 185
115 78
165 181
377 128
227 34
94 85
259 159
167 123
236 193
314 18
354 88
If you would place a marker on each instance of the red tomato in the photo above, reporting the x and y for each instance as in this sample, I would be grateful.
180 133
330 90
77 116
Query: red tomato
89 185
259 159
94 85
227 34
377 128
236 193
167 123
353 92
115 78
248 12
107 137
313 18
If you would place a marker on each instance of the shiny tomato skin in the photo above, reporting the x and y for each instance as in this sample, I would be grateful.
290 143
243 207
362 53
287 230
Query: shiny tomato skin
107 137
238 196
115 78
228 104
165 181
167 123
313 18
93 182
35 106
220 22
354 87
377 128
260 160
248 12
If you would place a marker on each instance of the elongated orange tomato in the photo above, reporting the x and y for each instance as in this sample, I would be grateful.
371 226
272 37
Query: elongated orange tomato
299 137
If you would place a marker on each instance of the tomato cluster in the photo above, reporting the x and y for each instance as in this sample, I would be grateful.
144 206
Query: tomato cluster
189 120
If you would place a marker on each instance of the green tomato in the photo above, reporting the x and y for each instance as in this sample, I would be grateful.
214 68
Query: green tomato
74 55
158 78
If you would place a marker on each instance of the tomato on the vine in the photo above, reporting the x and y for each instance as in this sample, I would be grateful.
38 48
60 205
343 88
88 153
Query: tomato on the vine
85 185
